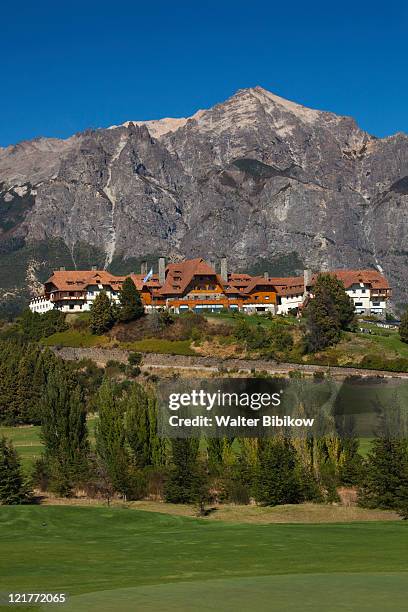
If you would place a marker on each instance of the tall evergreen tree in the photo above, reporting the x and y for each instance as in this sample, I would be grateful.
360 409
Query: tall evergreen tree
111 437
330 311
102 315
13 490
277 480
386 474
403 328
131 306
64 431
187 482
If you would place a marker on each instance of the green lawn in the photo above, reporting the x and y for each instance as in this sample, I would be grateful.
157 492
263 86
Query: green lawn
75 338
160 345
391 342
28 444
122 559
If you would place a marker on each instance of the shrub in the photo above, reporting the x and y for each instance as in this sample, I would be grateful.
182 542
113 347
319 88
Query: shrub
283 341
135 359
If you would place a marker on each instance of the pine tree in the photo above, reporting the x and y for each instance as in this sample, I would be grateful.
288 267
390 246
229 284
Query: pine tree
403 328
111 438
386 474
64 431
187 482
277 480
102 316
330 311
350 462
131 306
12 487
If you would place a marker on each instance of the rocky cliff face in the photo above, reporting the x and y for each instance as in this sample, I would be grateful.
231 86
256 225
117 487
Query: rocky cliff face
270 183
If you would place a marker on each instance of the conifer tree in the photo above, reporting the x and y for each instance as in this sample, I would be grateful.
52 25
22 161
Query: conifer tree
131 306
111 437
102 316
386 474
13 490
277 480
330 311
64 432
187 483
403 328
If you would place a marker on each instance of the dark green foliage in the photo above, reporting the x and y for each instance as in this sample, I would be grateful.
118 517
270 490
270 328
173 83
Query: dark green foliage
402 501
385 479
187 483
131 307
137 426
287 264
135 359
23 372
64 431
102 314
122 266
252 336
111 438
35 326
283 341
215 449
403 328
13 490
351 463
277 480
380 362
330 311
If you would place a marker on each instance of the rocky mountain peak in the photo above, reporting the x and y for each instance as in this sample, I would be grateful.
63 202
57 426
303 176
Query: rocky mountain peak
272 183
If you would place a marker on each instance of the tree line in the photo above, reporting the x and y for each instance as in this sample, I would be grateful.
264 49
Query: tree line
128 459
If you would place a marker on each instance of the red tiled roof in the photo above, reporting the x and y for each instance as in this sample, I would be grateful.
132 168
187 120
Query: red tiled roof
179 275
292 285
70 280
368 277
258 281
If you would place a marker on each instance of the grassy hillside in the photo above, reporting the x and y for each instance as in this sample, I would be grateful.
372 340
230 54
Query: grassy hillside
128 559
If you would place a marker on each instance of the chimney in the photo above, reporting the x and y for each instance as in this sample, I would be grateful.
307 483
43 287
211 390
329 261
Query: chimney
143 268
62 269
162 270
224 269
266 275
307 281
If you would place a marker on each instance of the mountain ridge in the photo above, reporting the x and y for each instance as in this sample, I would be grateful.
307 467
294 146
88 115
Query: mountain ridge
257 177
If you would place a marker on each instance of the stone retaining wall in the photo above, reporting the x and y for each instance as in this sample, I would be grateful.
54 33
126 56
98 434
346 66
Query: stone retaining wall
102 355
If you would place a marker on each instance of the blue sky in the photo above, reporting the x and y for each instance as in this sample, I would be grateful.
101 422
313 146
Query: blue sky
69 65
